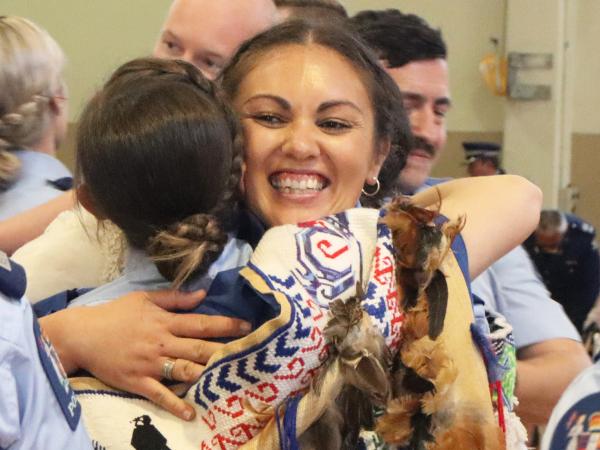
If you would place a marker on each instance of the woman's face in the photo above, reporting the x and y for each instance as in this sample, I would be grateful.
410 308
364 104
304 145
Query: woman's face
309 128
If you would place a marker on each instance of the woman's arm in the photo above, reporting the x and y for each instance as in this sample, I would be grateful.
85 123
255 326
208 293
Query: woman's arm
126 342
501 211
28 225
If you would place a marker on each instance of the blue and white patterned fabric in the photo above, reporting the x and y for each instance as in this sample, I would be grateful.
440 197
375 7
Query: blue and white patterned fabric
38 409
41 179
575 421
301 269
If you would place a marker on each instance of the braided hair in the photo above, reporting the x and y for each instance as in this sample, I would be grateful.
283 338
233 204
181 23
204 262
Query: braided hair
160 154
31 72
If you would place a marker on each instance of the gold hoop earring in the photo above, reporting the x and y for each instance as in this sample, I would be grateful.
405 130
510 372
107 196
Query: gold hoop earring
376 191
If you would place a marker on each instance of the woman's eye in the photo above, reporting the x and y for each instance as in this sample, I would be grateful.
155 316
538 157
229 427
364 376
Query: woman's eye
335 125
268 119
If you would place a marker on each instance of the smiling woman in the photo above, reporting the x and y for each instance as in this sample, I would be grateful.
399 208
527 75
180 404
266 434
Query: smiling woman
320 118
309 141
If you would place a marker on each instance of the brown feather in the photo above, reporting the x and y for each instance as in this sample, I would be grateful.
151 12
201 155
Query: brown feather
437 298
469 432
395 427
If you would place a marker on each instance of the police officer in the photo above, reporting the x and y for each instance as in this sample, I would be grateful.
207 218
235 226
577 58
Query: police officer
38 408
482 158
564 250
33 117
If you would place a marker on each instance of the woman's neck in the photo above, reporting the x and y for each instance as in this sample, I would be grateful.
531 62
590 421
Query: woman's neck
47 144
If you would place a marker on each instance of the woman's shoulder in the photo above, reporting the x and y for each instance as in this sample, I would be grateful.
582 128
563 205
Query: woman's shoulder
35 185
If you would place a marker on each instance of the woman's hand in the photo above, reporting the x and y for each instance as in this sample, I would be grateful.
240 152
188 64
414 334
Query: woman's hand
125 343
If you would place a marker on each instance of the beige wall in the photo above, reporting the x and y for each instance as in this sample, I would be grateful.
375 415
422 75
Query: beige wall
97 36
586 118
584 175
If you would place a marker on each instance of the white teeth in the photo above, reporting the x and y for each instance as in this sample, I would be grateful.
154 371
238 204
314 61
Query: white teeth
295 185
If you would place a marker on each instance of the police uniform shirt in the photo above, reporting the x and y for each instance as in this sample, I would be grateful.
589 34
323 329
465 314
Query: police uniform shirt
38 409
41 178
511 287
573 274
141 274
575 420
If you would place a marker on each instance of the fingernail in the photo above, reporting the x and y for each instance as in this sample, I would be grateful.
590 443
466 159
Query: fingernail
245 327
188 414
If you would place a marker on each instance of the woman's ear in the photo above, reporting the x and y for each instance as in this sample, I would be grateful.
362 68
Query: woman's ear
382 151
86 199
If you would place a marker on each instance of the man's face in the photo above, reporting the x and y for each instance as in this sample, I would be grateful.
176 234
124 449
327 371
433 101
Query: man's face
426 95
207 33
549 240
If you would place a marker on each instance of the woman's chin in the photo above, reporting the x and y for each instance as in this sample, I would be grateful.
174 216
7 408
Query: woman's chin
285 216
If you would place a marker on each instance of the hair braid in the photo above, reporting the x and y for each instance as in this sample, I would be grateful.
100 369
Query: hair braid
191 244
16 129
9 167
187 247
174 70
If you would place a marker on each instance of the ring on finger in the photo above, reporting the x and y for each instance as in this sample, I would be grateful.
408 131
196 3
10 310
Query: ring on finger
167 368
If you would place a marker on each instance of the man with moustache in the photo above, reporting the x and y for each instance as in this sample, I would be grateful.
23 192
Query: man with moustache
549 350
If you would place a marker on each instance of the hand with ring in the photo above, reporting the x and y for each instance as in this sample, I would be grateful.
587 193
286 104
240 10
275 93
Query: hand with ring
167 368
133 342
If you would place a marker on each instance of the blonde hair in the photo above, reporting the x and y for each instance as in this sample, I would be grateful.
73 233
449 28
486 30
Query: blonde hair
31 72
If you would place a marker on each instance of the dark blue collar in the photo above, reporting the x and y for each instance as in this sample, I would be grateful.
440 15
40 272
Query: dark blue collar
250 227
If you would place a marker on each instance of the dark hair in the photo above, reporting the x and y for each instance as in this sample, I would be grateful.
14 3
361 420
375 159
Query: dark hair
493 160
322 11
391 122
552 220
399 38
160 155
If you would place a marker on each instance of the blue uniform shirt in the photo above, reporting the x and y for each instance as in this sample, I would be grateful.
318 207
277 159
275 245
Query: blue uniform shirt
512 288
38 409
39 181
573 274
141 274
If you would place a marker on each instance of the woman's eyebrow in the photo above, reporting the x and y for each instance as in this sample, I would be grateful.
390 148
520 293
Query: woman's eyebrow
283 103
334 103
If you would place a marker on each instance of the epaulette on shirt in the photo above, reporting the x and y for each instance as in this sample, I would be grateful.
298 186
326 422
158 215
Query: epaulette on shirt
575 223
12 278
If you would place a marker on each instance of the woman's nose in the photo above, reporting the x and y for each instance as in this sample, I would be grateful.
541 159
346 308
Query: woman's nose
301 141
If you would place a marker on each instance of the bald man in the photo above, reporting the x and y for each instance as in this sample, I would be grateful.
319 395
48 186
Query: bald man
207 33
